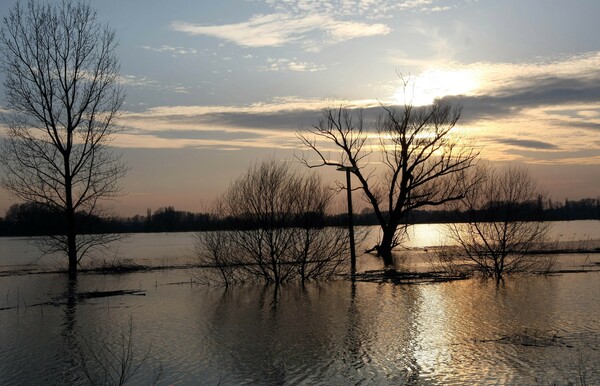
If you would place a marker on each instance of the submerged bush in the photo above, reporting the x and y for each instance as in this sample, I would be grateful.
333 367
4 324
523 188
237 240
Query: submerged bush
495 233
274 218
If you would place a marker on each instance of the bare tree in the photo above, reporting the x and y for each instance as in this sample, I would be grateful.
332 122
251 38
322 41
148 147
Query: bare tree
275 229
318 251
261 202
422 161
501 231
215 254
63 96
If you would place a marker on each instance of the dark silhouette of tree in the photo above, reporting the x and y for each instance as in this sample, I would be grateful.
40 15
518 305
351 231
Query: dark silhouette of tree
583 209
275 229
32 219
168 219
422 161
62 90
499 230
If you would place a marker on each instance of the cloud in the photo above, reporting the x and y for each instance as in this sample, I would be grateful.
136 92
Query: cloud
279 29
137 81
207 135
543 112
278 114
145 82
371 9
174 51
314 24
294 64
285 114
437 9
503 89
526 143
568 102
260 125
343 30
540 111
521 136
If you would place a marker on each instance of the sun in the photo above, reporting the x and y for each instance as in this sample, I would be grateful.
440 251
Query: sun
424 88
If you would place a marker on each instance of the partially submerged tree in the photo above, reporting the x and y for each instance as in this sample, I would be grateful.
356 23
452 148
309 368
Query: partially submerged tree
63 97
422 161
500 231
275 229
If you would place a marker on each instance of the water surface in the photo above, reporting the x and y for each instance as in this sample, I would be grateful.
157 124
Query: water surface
528 330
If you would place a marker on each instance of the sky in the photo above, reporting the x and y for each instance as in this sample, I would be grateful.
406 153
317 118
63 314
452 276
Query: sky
214 86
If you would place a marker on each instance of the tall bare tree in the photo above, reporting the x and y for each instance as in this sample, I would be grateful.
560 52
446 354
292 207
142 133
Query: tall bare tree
63 97
422 161
502 229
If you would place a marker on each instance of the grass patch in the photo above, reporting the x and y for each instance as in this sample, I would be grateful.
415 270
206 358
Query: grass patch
115 266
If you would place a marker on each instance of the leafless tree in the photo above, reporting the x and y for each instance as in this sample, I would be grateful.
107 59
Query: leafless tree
318 251
275 221
501 232
63 97
215 254
422 161
262 202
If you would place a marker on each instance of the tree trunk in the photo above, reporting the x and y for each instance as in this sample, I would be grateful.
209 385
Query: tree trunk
385 249
70 214
71 244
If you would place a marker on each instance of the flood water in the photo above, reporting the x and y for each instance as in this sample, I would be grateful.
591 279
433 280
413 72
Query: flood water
528 330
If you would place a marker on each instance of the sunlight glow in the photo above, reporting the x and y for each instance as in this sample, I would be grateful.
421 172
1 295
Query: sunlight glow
423 89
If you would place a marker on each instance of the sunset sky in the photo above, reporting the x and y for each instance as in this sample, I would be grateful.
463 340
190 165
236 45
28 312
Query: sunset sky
213 86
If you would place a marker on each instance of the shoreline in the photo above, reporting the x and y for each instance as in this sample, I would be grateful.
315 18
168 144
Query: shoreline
369 275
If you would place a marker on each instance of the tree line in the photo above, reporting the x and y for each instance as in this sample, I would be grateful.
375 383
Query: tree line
31 219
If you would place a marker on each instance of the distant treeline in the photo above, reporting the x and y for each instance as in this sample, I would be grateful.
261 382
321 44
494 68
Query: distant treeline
35 220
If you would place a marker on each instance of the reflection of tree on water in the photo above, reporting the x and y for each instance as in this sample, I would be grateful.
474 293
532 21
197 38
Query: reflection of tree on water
83 357
321 333
351 356
269 297
373 350
68 350
273 335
